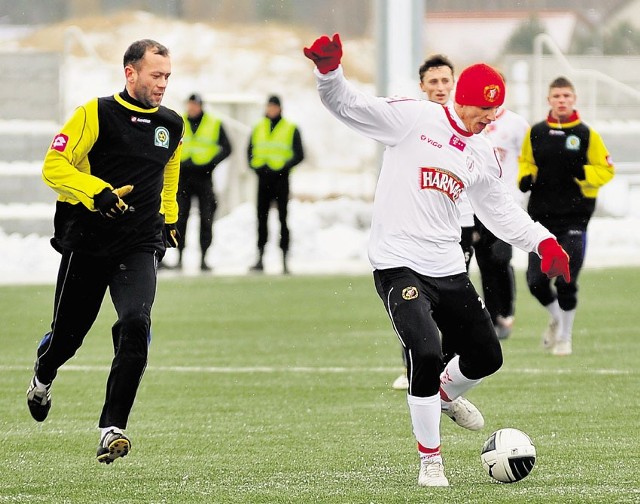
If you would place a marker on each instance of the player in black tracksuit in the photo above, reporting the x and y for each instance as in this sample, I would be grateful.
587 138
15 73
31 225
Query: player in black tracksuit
115 167
563 164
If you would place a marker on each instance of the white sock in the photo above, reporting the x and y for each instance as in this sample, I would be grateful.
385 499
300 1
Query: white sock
453 383
430 455
425 418
40 385
105 430
554 310
566 325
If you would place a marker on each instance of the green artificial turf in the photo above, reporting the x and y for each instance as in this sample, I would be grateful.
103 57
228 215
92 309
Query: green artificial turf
267 389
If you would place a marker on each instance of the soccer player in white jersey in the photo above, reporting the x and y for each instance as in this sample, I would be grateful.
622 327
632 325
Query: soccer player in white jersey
437 79
432 155
493 255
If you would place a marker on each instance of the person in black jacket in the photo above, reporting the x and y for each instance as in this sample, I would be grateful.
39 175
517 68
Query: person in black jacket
115 167
563 164
274 149
205 145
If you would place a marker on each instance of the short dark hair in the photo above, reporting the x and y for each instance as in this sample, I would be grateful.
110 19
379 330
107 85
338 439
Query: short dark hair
274 100
136 51
436 60
559 82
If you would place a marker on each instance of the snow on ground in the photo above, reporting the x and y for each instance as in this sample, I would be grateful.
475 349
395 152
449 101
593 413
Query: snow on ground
328 236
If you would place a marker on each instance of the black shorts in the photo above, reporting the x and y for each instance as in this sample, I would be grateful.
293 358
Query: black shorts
433 316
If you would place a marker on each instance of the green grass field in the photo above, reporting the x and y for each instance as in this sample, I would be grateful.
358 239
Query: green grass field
277 390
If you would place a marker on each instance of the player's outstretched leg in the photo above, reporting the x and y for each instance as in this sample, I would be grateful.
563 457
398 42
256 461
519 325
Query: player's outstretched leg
113 444
464 413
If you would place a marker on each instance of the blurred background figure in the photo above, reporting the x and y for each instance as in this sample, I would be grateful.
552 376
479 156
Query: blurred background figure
205 146
493 255
563 164
275 147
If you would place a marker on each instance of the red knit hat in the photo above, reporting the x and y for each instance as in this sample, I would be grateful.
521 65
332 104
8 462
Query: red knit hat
481 86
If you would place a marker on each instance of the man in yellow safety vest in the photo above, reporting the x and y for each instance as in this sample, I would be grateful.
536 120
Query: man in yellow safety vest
274 149
205 145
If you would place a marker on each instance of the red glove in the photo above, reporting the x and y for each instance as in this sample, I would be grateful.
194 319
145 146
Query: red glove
325 53
555 261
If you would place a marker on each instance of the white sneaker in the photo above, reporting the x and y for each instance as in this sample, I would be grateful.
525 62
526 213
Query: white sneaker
464 413
561 348
432 474
401 382
550 334
504 326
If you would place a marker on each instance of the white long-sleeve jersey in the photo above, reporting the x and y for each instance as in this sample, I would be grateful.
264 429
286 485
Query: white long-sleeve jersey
429 161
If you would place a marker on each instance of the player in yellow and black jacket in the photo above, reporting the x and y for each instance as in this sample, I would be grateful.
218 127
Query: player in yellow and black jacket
563 164
115 166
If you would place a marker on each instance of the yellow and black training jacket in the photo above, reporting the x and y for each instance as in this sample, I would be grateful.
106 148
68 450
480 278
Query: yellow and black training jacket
107 143
563 165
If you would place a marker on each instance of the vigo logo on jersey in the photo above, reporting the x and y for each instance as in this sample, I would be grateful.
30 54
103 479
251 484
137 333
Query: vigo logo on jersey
441 180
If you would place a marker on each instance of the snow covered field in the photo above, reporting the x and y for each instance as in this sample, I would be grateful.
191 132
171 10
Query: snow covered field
328 236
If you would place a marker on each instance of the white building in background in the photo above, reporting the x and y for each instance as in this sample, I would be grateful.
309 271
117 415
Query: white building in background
469 37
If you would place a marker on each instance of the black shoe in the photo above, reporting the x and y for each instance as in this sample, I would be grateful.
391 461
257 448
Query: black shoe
113 445
39 401
257 266
204 266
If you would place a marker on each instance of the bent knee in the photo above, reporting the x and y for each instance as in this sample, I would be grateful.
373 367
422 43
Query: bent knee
476 365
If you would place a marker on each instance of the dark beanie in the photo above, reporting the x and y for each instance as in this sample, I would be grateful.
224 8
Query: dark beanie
481 86
275 100
195 98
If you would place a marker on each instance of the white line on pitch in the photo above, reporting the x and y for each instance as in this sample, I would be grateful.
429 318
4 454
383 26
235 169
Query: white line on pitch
319 370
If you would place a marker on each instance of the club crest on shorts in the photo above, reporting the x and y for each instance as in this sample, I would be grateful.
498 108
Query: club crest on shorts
409 293
161 137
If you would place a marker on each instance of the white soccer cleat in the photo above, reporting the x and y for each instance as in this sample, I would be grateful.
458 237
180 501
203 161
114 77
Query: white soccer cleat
561 348
432 474
550 334
464 413
401 382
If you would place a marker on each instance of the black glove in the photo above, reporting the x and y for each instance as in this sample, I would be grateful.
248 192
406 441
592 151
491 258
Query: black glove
109 202
171 236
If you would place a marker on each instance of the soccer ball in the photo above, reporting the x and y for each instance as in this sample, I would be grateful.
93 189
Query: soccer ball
508 455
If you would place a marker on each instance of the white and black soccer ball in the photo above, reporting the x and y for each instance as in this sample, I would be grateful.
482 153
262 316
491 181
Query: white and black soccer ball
508 455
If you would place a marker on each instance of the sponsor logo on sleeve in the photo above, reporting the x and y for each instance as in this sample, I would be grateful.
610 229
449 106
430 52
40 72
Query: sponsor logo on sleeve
441 180
60 142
